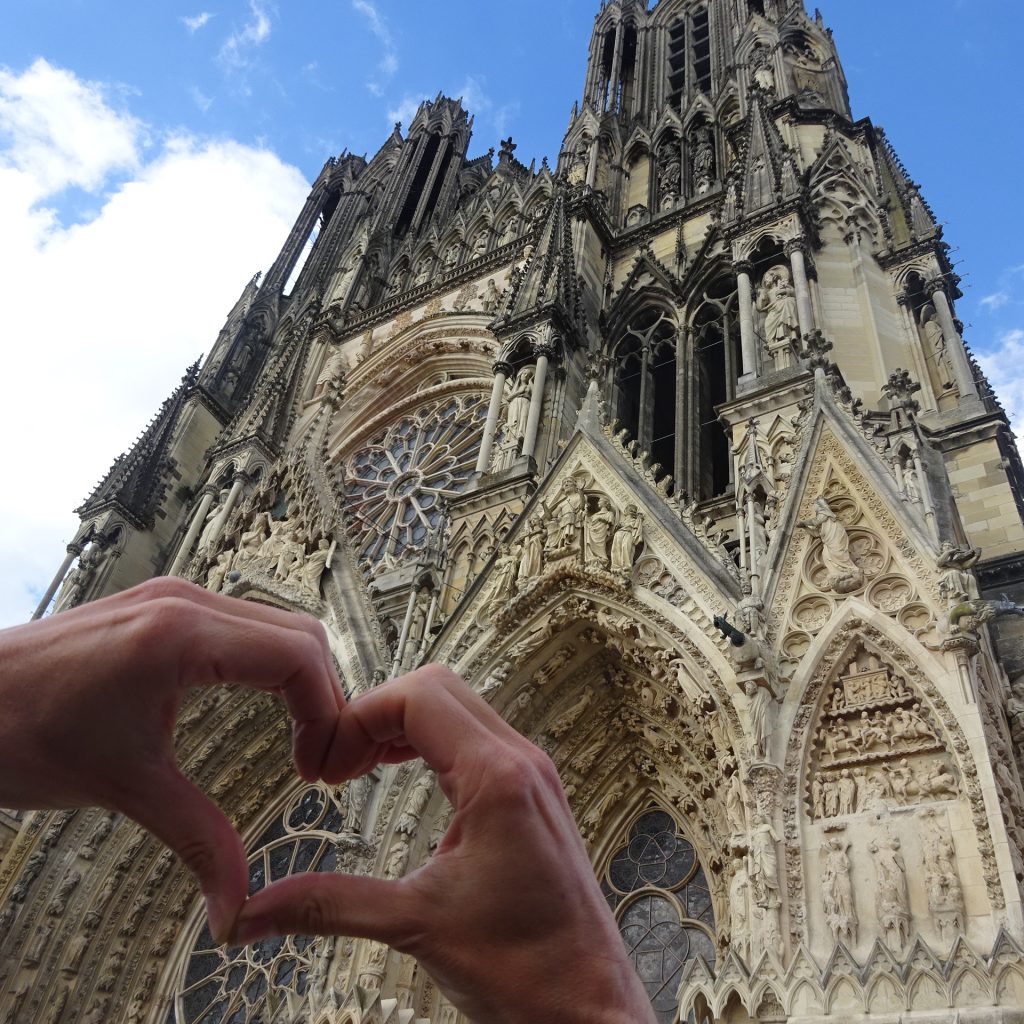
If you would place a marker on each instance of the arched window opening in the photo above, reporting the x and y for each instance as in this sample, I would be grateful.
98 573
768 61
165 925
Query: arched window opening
419 183
657 888
756 7
718 361
701 48
607 65
677 64
627 74
645 384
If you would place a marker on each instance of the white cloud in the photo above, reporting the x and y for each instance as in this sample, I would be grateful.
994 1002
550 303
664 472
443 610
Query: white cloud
196 21
236 53
389 64
1003 364
201 100
405 111
995 301
108 312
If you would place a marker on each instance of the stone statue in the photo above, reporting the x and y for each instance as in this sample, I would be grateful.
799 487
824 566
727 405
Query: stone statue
892 902
532 563
416 804
764 861
569 718
291 552
936 340
759 711
220 569
398 857
206 537
777 301
592 819
628 537
734 810
764 77
357 797
490 298
569 515
251 542
669 174
506 567
843 575
311 571
957 583
942 878
739 908
703 162
847 792
1015 712
78 581
520 395
837 892
599 528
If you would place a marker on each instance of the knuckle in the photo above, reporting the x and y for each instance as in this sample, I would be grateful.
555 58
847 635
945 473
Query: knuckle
166 616
164 587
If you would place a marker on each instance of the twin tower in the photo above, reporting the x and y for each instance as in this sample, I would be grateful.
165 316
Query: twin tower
675 451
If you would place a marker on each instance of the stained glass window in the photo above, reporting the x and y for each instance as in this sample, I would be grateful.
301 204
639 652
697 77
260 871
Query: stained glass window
395 487
255 984
659 892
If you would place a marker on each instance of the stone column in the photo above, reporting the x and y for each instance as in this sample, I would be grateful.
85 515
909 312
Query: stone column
193 531
74 550
403 639
427 626
502 371
954 343
544 353
233 495
796 250
645 428
748 339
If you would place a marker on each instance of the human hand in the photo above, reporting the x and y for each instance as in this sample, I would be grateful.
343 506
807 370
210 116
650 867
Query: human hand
507 916
89 698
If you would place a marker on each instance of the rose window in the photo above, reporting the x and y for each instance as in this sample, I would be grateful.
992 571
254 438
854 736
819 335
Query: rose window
396 487
255 984
658 890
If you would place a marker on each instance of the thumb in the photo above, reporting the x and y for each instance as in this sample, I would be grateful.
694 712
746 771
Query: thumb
183 817
324 904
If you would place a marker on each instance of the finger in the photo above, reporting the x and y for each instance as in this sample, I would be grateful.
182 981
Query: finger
225 648
325 904
184 818
421 714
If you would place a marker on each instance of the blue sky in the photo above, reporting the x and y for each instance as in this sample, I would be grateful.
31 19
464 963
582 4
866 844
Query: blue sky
153 155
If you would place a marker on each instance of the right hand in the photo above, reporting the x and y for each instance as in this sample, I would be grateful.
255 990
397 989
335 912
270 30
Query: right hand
507 916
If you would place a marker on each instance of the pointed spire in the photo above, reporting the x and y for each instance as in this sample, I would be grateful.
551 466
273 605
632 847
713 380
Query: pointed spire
548 277
766 170
137 480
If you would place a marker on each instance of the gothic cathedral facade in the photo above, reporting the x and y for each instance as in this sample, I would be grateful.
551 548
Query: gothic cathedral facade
675 452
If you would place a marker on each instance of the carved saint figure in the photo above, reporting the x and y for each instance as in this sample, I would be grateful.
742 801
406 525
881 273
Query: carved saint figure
599 528
592 819
847 786
311 571
892 902
416 804
519 396
570 717
764 863
936 339
739 907
734 805
532 564
759 709
290 552
942 878
703 147
777 301
569 516
490 297
357 797
207 538
220 569
837 892
77 582
843 574
505 568
628 537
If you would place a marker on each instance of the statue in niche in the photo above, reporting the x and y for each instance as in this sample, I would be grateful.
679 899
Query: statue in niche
739 908
96 838
480 244
422 272
843 575
78 581
936 341
628 537
763 76
334 369
251 542
451 256
911 486
348 275
311 571
846 787
703 162
357 796
206 536
806 73
520 395
759 712
592 819
599 529
290 552
764 865
398 857
416 804
505 569
892 903
63 894
670 170
734 810
490 297
569 718
776 299
942 878
532 563
837 891
1015 711
37 947
818 797
570 515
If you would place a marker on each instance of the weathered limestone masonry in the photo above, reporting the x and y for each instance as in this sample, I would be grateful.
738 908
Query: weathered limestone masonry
675 451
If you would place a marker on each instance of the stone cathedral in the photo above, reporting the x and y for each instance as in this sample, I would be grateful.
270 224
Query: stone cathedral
674 450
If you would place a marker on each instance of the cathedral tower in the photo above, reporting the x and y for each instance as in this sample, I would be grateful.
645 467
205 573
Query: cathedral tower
675 451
